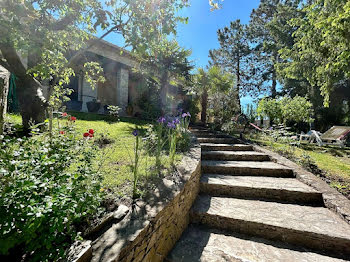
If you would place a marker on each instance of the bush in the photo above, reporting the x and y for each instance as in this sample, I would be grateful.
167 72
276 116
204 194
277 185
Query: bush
47 186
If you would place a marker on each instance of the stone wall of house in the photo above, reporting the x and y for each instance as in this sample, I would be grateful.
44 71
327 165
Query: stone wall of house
122 89
4 88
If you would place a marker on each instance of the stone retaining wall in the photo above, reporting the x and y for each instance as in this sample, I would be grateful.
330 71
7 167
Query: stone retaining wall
152 227
157 239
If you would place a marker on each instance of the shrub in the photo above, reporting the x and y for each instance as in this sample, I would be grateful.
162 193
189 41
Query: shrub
114 111
47 186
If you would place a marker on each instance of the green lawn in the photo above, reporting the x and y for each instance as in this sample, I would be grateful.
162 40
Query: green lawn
334 161
114 158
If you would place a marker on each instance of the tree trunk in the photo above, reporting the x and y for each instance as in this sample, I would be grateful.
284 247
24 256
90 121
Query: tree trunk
274 84
274 77
238 76
31 101
29 91
204 104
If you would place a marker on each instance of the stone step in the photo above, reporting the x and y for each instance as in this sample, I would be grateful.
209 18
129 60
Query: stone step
225 147
315 228
235 155
288 190
246 168
200 243
211 135
216 140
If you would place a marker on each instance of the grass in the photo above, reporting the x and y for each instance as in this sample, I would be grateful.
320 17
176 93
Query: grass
333 161
114 158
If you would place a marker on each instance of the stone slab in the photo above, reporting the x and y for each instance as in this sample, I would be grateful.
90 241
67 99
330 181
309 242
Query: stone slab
316 228
254 187
207 245
216 140
226 147
266 168
332 198
235 155
290 184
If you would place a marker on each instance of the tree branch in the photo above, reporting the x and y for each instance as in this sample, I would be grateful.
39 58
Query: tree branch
92 43
12 58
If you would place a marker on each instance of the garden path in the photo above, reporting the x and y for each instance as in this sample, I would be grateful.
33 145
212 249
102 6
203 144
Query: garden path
252 209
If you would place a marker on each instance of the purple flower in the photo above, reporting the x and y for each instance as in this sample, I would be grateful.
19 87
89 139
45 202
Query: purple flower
171 125
161 120
176 121
135 132
186 114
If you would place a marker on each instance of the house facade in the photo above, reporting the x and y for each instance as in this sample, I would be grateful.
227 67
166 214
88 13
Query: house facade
118 65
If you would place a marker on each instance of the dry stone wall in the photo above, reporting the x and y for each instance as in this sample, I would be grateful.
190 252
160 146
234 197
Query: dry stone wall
150 230
157 239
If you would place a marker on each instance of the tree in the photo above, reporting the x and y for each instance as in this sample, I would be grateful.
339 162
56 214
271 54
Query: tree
271 108
50 33
285 110
219 85
268 32
233 54
165 60
321 52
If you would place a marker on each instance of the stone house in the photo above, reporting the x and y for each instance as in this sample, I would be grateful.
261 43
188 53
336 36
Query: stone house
123 85
118 65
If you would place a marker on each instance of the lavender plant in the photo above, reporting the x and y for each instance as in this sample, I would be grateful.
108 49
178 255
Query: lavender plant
172 135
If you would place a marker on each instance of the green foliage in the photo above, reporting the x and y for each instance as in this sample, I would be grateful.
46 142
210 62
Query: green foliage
296 109
48 185
250 112
114 111
321 52
271 108
212 86
286 109
54 35
233 54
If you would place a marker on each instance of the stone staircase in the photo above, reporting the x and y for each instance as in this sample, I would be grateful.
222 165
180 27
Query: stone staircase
252 209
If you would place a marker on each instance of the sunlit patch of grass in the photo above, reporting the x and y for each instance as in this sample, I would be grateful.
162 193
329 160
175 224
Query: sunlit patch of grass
114 159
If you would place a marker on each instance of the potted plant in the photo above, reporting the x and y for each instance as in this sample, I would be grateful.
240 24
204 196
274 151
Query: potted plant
93 106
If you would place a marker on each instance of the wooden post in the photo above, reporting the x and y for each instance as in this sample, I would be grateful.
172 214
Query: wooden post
4 89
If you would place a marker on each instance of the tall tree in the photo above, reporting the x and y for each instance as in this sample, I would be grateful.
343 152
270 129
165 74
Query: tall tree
321 52
233 54
216 84
164 60
47 32
268 32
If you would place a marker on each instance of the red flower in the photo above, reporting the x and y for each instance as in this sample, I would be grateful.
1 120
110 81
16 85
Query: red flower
62 132
91 135
64 114
86 134
91 131
72 118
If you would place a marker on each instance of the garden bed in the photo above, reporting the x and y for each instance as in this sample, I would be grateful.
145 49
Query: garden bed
115 142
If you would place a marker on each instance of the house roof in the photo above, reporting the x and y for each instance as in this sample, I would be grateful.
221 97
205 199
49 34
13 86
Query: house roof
113 52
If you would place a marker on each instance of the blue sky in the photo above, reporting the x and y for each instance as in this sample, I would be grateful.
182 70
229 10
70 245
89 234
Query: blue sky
199 34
